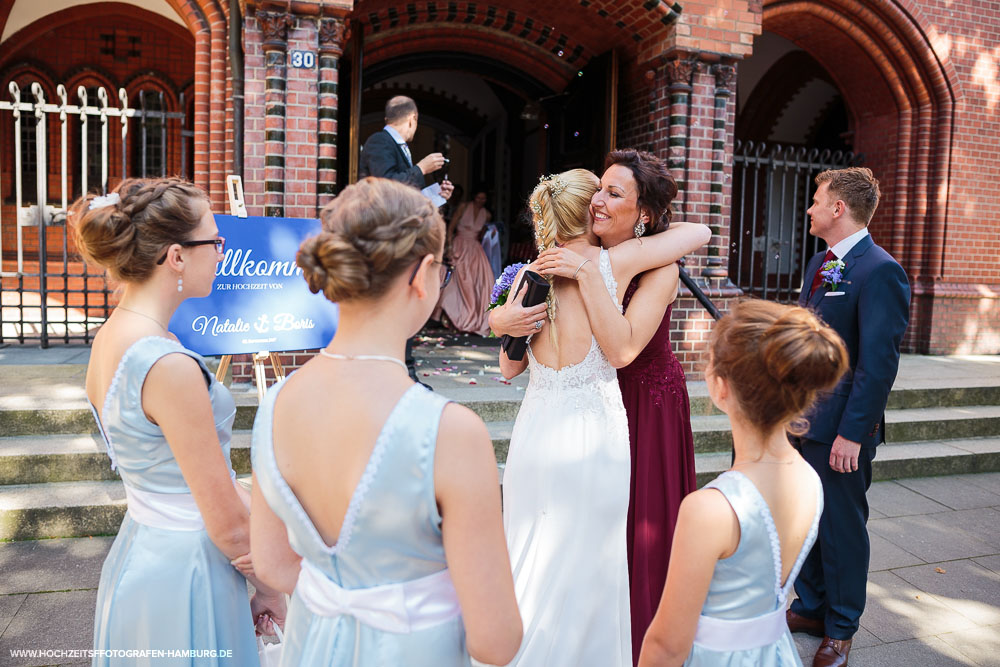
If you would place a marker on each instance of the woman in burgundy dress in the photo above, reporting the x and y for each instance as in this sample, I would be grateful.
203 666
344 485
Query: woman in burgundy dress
634 201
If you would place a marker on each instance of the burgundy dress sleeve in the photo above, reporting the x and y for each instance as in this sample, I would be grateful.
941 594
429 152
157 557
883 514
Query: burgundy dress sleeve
654 391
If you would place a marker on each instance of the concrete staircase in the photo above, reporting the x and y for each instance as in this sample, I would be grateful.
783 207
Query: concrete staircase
56 481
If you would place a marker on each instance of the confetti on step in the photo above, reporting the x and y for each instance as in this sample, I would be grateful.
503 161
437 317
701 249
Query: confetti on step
472 382
940 570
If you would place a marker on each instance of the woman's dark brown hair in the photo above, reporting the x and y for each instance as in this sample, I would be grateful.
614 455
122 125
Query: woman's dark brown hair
127 237
372 231
654 184
775 359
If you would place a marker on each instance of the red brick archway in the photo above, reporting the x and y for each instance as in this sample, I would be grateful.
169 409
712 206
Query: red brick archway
901 97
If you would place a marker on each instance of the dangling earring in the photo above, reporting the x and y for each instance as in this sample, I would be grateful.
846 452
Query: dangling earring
180 283
640 227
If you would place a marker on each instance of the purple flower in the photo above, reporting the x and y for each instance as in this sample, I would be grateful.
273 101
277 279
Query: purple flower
501 288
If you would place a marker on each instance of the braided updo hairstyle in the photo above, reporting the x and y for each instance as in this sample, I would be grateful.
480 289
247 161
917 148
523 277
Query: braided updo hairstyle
655 186
372 231
560 206
128 237
775 359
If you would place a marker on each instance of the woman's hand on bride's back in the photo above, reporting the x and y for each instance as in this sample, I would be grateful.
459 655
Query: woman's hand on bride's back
561 262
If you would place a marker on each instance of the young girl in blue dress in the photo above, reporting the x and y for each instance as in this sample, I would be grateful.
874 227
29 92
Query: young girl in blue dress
741 540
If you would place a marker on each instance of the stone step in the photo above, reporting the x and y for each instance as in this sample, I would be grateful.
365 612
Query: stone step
64 458
74 458
79 509
712 434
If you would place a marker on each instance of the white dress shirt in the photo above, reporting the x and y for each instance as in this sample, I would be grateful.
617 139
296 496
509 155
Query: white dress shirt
398 138
844 246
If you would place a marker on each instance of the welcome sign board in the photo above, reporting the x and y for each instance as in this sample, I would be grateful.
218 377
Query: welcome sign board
260 301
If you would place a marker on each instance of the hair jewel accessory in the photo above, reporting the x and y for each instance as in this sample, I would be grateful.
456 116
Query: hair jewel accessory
106 200
536 208
554 183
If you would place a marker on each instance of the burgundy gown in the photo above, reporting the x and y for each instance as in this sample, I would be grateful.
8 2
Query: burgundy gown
654 390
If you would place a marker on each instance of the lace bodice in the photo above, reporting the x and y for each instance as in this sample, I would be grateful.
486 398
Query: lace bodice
748 583
590 385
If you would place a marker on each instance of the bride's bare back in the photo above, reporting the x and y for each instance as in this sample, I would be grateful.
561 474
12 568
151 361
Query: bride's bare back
572 332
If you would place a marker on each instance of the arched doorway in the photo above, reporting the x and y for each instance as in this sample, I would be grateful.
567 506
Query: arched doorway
791 122
531 90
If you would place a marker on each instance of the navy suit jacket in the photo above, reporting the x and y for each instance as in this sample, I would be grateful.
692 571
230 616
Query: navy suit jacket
384 158
871 317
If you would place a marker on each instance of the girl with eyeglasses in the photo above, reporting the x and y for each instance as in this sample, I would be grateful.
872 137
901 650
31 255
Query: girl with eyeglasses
170 580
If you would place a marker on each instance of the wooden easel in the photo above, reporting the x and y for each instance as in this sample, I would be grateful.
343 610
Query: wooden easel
234 186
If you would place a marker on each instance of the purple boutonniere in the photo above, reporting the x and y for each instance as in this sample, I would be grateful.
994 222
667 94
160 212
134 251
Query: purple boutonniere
832 273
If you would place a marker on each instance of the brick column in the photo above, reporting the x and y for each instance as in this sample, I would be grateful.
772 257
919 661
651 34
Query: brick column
333 33
679 73
274 26
722 146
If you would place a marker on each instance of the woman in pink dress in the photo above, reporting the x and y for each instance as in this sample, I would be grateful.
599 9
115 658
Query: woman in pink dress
634 201
464 301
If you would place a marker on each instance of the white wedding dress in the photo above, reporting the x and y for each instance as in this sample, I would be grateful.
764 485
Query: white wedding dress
565 502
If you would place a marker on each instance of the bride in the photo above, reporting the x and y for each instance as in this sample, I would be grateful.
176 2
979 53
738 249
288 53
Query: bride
566 482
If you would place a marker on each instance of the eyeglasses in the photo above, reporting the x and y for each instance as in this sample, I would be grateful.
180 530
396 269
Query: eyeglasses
219 243
446 271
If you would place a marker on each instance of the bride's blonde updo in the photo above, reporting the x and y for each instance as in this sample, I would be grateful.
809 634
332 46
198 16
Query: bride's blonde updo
372 231
775 359
560 207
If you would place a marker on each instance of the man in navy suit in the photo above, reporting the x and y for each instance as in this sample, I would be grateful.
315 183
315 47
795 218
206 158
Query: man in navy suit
387 154
868 305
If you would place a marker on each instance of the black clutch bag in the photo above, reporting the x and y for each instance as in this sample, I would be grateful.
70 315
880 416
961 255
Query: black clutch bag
538 289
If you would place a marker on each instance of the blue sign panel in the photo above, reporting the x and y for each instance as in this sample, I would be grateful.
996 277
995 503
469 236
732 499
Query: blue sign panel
260 300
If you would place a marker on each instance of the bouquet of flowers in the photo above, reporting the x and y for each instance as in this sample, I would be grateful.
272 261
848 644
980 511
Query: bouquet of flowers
503 285
832 273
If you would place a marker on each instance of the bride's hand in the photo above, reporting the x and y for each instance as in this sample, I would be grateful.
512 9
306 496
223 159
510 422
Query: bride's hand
515 320
560 262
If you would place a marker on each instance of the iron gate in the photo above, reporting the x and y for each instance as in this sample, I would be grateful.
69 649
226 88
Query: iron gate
772 189
48 293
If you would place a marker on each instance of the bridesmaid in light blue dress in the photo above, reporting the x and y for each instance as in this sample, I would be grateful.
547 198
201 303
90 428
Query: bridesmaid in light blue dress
164 584
170 582
741 540
376 503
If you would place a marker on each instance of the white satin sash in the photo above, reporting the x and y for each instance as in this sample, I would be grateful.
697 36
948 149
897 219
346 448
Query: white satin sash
174 511
721 634
401 608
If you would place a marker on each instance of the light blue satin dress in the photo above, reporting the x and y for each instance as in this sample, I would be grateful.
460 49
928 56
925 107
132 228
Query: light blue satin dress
748 584
165 589
391 533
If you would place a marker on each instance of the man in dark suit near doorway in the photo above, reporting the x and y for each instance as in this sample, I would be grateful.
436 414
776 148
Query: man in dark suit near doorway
868 305
386 154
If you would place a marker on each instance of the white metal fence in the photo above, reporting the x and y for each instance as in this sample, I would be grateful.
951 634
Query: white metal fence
47 293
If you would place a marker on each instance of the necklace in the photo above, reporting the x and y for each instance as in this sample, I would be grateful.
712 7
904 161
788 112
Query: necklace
363 357
784 463
148 317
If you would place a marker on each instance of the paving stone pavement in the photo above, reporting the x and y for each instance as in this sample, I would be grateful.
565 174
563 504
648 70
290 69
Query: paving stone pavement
933 591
